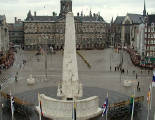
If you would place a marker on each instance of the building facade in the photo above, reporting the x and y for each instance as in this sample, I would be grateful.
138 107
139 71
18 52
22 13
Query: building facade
39 31
16 32
130 30
150 39
116 29
4 34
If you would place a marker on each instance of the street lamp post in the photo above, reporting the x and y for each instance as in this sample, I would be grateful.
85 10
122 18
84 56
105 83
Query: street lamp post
46 58
45 52
110 61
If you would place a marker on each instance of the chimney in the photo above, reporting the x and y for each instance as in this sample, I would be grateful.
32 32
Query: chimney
35 13
15 19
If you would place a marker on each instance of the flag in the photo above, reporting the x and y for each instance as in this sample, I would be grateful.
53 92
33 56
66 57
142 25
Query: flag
41 112
149 96
12 105
132 102
74 111
41 108
105 106
153 79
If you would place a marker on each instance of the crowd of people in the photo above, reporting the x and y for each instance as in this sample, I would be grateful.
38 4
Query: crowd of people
7 61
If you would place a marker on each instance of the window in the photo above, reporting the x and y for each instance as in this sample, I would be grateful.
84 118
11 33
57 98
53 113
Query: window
152 24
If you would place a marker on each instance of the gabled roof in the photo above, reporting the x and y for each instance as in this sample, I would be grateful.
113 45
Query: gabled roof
136 18
2 17
119 19
45 18
151 19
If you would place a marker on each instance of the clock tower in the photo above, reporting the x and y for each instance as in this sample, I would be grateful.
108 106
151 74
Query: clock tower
66 6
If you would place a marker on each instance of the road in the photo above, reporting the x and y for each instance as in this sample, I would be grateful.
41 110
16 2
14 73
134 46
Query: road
99 77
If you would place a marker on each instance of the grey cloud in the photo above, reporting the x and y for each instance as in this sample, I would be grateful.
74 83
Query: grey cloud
9 1
108 8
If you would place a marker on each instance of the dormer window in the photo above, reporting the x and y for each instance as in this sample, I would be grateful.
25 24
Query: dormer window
152 27
152 24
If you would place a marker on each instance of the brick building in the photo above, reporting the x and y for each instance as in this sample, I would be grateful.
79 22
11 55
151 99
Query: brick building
150 39
4 34
16 32
91 30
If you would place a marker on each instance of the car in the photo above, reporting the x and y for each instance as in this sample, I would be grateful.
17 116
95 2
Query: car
14 49
17 46
38 53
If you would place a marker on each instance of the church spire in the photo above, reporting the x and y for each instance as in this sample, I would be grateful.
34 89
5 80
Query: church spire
144 11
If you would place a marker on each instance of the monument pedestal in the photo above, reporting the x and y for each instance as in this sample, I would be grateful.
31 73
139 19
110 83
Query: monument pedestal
30 80
68 89
62 109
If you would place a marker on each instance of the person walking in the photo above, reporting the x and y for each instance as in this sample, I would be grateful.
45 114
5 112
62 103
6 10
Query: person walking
138 88
16 78
136 76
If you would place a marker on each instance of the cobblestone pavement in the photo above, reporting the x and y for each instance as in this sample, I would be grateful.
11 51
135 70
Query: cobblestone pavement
99 78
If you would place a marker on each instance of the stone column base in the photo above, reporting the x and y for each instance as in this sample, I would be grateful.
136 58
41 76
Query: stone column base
62 109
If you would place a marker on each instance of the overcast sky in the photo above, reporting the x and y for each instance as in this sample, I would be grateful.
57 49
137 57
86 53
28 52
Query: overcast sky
107 8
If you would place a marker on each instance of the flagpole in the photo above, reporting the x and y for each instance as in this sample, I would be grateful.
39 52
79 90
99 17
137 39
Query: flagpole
151 96
133 104
148 111
1 107
107 108
149 102
11 106
39 106
74 110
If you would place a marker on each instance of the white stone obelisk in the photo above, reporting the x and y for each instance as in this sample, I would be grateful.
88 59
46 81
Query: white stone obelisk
70 86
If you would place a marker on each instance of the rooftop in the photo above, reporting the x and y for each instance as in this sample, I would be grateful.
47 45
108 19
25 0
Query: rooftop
119 19
56 18
151 19
136 18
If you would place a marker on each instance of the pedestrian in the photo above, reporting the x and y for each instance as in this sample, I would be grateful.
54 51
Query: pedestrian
20 66
115 68
141 71
127 71
16 78
148 72
138 86
110 68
